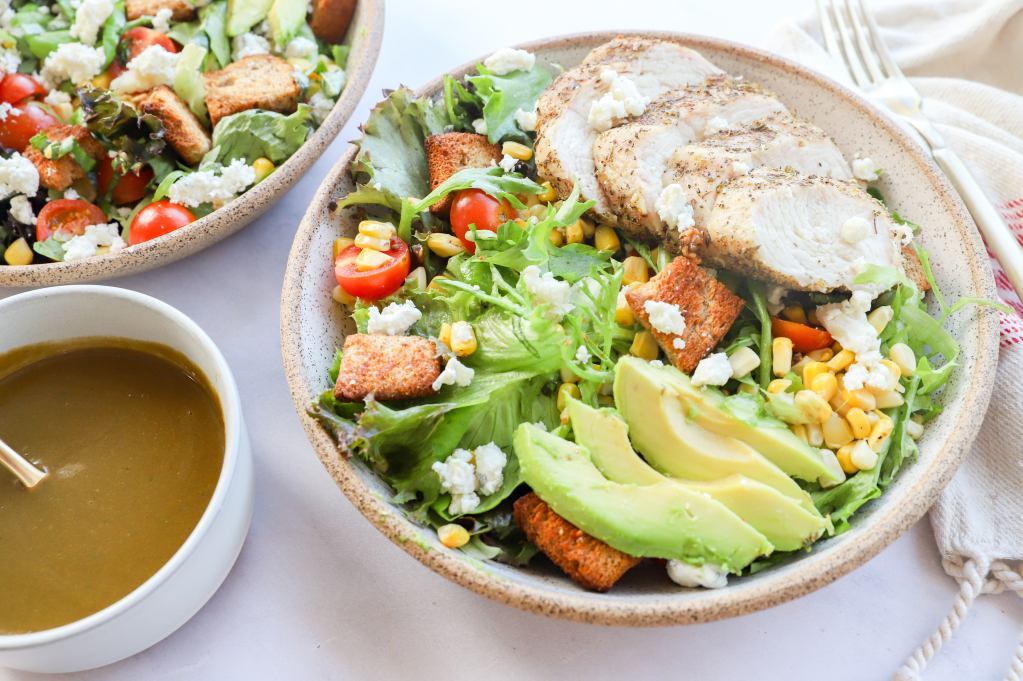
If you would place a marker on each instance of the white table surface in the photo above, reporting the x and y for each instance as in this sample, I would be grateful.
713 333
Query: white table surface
318 593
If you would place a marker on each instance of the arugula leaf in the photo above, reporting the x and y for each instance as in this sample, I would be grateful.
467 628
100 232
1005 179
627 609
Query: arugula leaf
463 107
113 28
502 96
758 304
257 133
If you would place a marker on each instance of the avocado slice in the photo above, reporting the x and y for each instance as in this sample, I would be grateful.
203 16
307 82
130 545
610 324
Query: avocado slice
778 444
286 17
781 519
244 14
662 520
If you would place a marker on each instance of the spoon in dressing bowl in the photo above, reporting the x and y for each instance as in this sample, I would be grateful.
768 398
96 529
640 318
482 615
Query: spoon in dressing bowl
29 475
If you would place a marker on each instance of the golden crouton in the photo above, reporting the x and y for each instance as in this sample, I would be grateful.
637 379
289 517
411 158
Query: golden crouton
59 174
330 20
389 367
707 306
183 10
454 151
914 269
589 561
181 129
260 81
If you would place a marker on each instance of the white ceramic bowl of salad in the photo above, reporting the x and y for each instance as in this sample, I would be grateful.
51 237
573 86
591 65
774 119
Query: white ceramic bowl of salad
314 326
307 133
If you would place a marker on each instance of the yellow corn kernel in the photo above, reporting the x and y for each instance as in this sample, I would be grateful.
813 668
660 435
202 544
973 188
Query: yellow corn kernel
888 399
343 297
836 432
635 270
18 253
516 150
825 385
300 63
903 356
566 390
841 360
463 340
605 239
800 432
370 260
814 434
548 194
557 238
529 199
858 423
377 230
798 367
863 399
341 244
874 416
813 369
372 243
445 245
823 355
418 277
795 314
811 318
574 232
812 405
836 467
914 430
844 456
743 361
778 385
568 376
452 535
862 456
836 347
606 401
589 229
445 334
623 313
880 317
781 356
644 346
103 80
894 373
435 287
263 167
747 389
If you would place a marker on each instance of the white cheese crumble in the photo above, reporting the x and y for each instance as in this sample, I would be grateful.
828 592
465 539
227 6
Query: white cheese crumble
480 126
18 176
622 99
321 105
506 60
656 363
508 163
458 478
89 19
21 210
85 246
300 48
708 575
72 61
903 232
462 333
665 317
546 289
490 462
455 373
153 67
7 110
206 186
10 59
774 296
161 20
864 169
715 125
248 44
713 370
847 323
71 194
526 120
678 344
582 355
673 207
395 319
740 168
855 230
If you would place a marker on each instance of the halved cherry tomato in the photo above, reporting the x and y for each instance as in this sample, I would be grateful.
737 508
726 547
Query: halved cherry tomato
70 215
129 188
474 206
373 284
138 39
17 130
15 87
157 219
804 338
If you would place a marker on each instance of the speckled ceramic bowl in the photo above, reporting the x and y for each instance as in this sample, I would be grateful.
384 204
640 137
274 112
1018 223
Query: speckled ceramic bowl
364 35
312 326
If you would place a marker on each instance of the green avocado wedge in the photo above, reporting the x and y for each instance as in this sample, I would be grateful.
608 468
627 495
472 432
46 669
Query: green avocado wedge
662 520
665 429
781 519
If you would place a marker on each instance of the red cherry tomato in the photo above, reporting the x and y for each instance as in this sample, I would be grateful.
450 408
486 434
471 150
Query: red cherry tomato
139 38
804 338
373 284
17 130
70 215
15 87
474 206
129 188
157 219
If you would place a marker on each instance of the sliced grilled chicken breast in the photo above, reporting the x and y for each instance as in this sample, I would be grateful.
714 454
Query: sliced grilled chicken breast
632 158
564 136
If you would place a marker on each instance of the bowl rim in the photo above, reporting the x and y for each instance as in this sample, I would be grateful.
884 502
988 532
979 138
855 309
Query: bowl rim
225 221
231 406
604 608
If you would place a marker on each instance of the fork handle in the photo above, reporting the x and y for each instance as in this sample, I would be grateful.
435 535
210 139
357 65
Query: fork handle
999 237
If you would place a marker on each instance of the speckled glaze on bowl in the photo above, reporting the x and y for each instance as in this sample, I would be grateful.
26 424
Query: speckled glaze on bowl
312 326
364 36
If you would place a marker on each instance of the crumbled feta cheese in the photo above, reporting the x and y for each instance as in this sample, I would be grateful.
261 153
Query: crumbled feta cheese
508 163
300 48
95 236
541 425
458 479
21 210
715 125
855 230
904 232
7 110
161 21
526 120
708 575
10 59
89 19
395 319
665 317
248 44
622 99
43 9
740 168
678 344
582 355
506 60
546 289
205 186
774 296
18 176
713 370
462 333
480 126
153 67
321 105
72 61
656 363
847 323
455 373
864 169
490 462
60 102
71 194
673 207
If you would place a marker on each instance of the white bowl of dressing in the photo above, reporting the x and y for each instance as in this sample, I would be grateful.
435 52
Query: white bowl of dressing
182 586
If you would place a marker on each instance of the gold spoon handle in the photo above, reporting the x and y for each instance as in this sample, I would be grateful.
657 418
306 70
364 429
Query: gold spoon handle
29 475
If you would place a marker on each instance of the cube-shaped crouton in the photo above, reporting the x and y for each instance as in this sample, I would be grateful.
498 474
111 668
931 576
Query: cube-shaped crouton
708 308
181 129
453 151
183 10
330 20
260 81
914 269
589 561
59 174
388 367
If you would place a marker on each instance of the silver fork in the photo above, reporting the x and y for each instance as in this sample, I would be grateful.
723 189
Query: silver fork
861 49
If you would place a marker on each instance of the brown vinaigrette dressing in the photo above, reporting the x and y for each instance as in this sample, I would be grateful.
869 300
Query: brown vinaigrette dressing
132 434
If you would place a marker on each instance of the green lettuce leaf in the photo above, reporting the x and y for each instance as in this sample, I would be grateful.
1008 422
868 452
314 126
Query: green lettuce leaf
42 44
259 134
51 248
113 28
502 96
462 106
